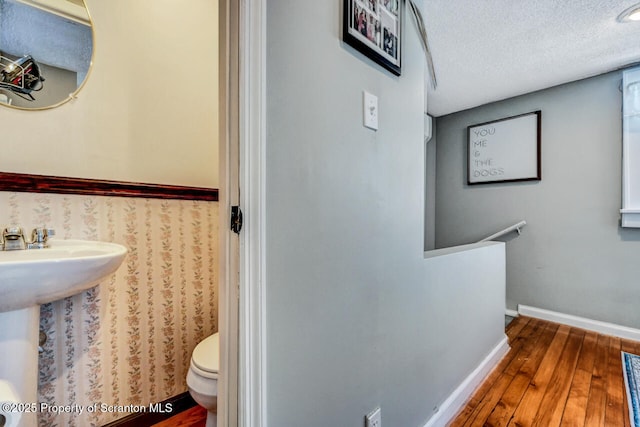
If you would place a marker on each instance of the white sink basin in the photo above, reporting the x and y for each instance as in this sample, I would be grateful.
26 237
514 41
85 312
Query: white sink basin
37 276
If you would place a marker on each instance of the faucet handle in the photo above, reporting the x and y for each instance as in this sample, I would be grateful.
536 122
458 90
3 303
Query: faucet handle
41 235
12 232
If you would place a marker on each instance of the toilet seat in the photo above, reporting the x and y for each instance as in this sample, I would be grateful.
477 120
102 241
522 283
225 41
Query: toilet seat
205 359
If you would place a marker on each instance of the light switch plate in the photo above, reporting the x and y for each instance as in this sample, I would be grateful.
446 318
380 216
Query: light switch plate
370 110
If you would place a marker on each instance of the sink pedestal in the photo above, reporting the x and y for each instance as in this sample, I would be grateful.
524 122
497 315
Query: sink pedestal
19 330
39 276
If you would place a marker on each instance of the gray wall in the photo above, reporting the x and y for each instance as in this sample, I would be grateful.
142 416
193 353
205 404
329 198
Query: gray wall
356 317
572 257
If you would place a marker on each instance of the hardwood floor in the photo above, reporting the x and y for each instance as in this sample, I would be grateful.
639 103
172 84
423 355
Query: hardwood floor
193 417
554 375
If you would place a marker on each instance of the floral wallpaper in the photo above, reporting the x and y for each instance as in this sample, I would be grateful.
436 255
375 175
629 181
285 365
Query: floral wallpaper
128 341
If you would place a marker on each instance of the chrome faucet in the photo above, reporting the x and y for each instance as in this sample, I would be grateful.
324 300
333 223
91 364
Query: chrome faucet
13 239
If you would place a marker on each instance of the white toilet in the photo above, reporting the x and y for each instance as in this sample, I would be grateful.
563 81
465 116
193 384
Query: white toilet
202 378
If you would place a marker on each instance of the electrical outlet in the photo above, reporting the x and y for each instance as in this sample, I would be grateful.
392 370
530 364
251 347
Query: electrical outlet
374 419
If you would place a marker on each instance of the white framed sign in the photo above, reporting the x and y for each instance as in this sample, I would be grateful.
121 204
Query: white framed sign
505 150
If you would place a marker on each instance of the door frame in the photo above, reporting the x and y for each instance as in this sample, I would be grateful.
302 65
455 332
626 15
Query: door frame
242 320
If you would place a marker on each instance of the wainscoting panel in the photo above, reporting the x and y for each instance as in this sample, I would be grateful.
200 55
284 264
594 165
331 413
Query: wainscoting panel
128 341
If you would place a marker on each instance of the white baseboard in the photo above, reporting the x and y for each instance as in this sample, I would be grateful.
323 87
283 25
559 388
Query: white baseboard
450 407
604 328
511 313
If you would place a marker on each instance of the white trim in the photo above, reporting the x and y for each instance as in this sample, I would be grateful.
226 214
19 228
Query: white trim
581 322
511 313
630 218
457 249
252 340
450 407
229 243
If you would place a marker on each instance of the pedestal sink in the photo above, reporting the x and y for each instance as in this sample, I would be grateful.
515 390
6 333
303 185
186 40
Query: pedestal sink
29 278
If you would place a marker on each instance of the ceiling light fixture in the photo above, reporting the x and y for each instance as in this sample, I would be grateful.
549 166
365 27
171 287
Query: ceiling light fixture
631 14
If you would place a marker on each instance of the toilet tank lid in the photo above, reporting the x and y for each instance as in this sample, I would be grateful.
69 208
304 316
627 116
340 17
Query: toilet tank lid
206 355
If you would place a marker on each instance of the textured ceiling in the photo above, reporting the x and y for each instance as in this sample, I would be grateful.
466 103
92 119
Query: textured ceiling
487 50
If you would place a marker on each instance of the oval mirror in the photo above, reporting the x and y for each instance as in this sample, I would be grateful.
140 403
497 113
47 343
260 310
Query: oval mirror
46 48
